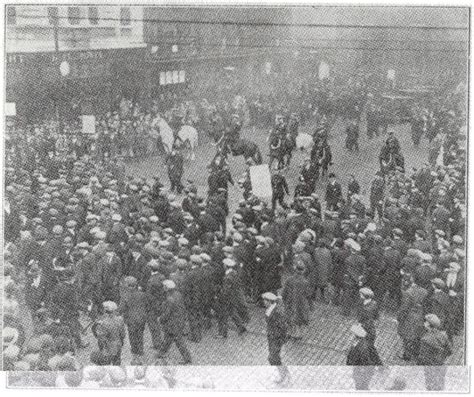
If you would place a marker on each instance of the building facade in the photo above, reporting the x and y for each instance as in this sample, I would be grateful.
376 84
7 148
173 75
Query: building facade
101 47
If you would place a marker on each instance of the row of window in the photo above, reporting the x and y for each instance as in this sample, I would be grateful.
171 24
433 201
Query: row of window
74 15
172 77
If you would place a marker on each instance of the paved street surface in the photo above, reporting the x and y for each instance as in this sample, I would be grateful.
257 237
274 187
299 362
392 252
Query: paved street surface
328 337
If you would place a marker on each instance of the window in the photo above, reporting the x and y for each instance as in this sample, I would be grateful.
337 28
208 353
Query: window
74 15
52 15
169 77
182 76
11 15
175 77
93 15
162 78
124 15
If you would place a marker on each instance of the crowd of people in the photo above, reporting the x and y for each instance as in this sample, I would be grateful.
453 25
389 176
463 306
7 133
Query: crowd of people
90 249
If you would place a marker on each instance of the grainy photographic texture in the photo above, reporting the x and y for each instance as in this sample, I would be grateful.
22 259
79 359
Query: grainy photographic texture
235 197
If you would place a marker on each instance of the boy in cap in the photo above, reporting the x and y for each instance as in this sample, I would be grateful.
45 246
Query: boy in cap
276 334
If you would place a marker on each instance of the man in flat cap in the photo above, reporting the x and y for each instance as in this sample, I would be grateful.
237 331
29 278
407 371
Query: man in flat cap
354 275
434 350
296 297
110 333
363 357
133 308
173 321
175 163
277 334
438 302
368 313
65 300
333 193
111 273
192 290
410 318
156 295
231 301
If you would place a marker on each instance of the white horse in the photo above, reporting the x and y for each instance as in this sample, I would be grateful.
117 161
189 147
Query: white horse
189 136
162 129
304 141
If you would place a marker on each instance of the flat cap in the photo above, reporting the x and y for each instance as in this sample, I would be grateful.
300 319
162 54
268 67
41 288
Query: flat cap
109 306
270 296
117 217
367 292
438 283
195 259
169 284
154 264
358 331
181 263
433 320
228 262
57 229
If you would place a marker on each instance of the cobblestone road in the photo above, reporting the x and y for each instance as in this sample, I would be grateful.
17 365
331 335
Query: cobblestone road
328 337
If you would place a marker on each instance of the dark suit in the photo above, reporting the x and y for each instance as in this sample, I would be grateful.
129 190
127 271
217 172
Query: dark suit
367 315
173 320
392 278
133 308
363 357
231 303
66 304
276 335
36 296
155 297
192 290
355 270
110 333
411 318
434 349
333 195
111 273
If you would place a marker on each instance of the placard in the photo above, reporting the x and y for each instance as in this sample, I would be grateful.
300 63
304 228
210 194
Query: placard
260 179
88 124
10 109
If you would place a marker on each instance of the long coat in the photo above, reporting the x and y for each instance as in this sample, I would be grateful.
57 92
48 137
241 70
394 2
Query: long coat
296 294
434 348
110 333
323 266
133 307
410 315
173 318
362 354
